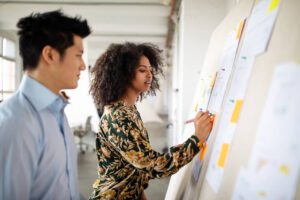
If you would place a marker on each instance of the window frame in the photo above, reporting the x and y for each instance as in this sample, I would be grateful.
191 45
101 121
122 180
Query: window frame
12 58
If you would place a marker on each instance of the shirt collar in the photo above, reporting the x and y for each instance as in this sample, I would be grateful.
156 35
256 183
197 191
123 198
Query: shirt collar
40 96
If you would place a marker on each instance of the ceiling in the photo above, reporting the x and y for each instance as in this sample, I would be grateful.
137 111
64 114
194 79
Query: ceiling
112 21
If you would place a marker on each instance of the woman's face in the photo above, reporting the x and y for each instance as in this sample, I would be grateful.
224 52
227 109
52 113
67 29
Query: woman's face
143 76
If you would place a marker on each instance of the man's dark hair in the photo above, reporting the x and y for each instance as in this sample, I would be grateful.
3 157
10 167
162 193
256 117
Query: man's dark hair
115 69
51 28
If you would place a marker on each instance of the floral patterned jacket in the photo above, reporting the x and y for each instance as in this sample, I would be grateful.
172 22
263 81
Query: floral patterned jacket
126 160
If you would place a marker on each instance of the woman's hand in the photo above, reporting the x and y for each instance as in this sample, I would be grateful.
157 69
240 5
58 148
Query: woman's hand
143 196
203 125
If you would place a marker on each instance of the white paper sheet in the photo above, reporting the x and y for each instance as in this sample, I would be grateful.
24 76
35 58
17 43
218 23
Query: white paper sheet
258 32
197 168
201 101
260 26
226 64
275 160
243 189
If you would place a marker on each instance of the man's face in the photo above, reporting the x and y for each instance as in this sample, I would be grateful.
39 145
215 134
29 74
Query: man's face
68 68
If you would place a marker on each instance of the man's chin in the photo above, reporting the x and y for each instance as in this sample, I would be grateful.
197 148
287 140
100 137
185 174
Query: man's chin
71 87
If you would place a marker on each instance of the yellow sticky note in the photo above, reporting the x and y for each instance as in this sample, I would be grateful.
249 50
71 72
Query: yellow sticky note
236 110
240 28
223 155
196 107
262 193
284 169
213 79
273 5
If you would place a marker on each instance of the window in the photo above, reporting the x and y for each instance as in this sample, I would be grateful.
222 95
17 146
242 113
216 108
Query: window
1 45
7 68
9 48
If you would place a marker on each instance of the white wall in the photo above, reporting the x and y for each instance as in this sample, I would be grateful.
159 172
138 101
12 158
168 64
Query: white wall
230 4
175 107
198 20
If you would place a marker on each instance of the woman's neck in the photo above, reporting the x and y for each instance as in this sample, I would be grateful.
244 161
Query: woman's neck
130 97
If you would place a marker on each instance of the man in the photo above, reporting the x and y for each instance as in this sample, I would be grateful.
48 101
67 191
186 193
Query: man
38 158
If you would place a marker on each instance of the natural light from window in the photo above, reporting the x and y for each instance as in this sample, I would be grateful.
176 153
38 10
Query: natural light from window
7 68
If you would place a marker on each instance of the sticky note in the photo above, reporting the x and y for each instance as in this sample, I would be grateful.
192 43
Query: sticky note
213 79
240 28
196 107
236 111
223 155
273 5
203 152
284 169
262 193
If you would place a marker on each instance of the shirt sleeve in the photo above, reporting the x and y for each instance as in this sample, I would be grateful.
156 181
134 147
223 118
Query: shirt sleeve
128 139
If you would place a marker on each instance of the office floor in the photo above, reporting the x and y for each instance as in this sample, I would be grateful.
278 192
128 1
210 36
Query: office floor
87 165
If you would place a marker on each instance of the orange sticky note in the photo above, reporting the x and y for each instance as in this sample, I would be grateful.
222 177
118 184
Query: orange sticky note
240 28
203 152
273 5
223 155
236 111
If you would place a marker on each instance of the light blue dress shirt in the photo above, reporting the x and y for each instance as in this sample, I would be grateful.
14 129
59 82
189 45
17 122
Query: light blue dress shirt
38 158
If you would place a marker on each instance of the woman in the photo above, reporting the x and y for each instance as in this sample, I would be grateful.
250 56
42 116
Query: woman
124 74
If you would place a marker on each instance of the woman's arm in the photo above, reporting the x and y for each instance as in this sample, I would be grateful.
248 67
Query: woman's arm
127 138
143 196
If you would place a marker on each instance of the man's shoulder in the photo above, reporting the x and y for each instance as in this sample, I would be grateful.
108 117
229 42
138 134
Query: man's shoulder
18 120
16 110
15 102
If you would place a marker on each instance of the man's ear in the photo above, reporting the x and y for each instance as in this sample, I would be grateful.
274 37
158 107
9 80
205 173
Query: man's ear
49 55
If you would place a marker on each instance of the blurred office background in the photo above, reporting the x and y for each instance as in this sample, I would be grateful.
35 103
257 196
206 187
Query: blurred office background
181 28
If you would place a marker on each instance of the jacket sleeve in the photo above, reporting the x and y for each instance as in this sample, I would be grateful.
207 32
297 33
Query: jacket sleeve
127 138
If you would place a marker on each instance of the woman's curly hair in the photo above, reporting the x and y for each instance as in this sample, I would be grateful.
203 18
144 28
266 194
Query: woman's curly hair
115 69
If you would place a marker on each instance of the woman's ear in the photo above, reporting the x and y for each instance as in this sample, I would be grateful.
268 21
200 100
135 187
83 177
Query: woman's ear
49 55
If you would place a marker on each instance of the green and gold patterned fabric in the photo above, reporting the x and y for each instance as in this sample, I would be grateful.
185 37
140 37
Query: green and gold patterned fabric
126 160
